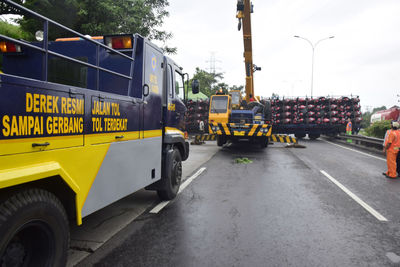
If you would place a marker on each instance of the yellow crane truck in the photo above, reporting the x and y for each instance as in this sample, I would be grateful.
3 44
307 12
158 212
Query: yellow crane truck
232 118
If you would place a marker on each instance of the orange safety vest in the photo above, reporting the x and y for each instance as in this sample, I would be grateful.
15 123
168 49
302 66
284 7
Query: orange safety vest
386 137
348 127
393 137
397 141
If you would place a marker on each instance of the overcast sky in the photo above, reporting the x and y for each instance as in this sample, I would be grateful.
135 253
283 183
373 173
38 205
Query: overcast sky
363 59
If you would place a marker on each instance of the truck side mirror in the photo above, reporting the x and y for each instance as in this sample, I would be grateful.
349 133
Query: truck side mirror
195 86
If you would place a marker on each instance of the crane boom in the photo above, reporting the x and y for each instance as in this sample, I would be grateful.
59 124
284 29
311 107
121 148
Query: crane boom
244 9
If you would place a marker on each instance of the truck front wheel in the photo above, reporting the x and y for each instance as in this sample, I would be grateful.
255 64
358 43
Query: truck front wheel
220 140
263 141
172 175
313 136
34 230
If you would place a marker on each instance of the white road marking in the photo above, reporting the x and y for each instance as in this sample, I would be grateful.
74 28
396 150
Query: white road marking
366 154
356 198
162 204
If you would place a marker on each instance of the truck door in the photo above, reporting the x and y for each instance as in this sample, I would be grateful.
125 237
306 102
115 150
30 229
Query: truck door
153 83
39 119
175 107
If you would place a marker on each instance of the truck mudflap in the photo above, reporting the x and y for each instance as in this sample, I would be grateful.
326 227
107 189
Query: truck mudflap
240 130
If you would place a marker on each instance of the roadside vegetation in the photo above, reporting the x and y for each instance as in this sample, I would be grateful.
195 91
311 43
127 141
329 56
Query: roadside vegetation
377 129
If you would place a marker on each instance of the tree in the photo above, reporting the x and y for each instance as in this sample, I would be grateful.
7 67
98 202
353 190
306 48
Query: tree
223 86
207 81
99 17
14 31
235 87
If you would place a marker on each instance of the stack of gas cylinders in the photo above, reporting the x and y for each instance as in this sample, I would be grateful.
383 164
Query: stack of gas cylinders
197 112
321 110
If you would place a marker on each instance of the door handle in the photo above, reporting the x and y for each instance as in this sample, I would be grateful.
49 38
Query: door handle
119 137
40 144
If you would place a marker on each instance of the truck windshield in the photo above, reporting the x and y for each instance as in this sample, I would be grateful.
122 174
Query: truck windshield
219 104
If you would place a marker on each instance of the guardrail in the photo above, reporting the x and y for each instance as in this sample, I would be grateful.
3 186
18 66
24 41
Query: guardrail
361 140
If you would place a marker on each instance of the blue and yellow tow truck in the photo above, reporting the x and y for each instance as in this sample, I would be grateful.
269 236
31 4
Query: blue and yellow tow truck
84 122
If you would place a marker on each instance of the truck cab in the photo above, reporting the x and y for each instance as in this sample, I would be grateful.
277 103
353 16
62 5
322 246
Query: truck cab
220 108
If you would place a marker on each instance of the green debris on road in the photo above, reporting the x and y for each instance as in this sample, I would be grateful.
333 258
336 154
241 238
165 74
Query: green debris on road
243 161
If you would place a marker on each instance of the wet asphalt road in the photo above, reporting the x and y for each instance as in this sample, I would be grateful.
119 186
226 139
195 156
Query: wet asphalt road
279 210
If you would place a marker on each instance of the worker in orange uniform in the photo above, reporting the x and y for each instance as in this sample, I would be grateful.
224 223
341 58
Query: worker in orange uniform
349 128
391 147
251 99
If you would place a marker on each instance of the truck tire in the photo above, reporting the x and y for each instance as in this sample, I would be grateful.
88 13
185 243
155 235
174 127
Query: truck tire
172 176
264 141
34 230
313 136
220 140
299 136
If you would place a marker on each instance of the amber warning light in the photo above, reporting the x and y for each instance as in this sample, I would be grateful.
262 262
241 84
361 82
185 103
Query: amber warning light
118 42
8 47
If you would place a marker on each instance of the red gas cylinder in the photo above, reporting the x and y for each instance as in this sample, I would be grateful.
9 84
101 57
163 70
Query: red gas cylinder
311 120
334 120
287 114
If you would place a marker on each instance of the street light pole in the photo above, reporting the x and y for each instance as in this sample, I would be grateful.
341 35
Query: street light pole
312 60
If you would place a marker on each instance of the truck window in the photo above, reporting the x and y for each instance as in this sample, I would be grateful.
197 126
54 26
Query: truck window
235 98
68 72
179 85
219 104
